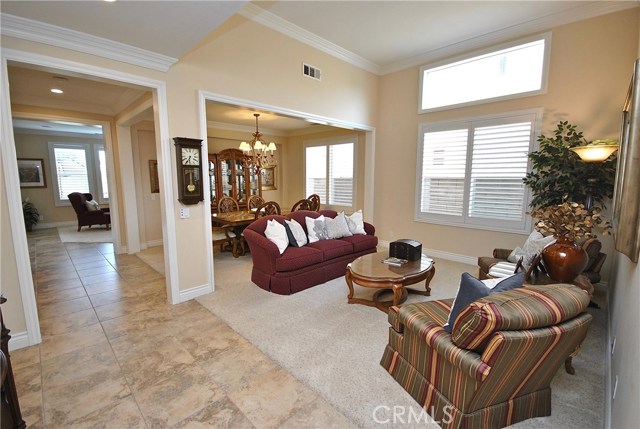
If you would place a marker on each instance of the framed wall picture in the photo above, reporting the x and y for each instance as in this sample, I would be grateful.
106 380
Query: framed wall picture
31 172
153 176
268 176
626 198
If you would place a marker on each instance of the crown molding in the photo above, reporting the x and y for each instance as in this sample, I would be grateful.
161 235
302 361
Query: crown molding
268 19
35 31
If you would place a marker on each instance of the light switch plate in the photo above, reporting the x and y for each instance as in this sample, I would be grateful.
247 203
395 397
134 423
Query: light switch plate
184 213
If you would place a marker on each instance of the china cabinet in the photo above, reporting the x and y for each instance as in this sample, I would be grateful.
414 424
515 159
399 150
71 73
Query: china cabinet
228 176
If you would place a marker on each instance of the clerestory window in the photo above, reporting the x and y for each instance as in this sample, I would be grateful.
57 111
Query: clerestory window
515 70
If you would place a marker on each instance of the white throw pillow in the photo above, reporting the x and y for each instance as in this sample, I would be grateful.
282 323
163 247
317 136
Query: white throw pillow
356 224
297 232
311 228
492 283
337 227
536 242
92 205
277 234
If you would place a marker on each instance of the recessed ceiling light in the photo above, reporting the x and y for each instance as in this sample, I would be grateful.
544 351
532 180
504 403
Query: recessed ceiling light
57 91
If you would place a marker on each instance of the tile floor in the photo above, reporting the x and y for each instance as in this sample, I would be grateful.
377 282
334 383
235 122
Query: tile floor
114 354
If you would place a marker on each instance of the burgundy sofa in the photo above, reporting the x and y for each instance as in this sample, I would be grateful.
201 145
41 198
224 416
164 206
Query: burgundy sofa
300 268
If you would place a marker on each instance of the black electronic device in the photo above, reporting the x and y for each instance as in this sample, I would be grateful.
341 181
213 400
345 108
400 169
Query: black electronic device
406 249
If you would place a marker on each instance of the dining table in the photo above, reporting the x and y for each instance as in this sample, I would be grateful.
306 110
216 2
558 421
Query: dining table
237 221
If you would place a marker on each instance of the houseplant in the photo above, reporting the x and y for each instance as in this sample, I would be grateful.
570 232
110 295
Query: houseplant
567 222
559 175
30 213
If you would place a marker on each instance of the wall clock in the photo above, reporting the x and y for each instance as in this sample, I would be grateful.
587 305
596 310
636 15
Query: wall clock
189 163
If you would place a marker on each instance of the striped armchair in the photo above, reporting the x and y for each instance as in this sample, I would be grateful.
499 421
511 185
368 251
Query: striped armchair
496 366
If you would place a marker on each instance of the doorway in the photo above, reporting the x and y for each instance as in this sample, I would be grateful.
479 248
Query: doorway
24 282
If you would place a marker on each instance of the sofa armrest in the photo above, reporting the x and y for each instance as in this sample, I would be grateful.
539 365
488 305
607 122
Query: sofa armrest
263 251
424 328
469 362
502 253
369 229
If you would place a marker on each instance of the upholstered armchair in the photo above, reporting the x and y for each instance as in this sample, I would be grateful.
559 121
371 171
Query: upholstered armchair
495 368
88 216
591 245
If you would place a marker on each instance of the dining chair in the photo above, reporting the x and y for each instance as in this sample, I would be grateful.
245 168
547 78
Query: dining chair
303 204
255 201
315 202
226 205
268 208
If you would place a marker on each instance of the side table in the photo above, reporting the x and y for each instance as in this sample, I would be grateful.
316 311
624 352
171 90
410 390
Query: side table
11 415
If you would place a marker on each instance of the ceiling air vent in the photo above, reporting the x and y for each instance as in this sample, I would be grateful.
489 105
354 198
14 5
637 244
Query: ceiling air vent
310 71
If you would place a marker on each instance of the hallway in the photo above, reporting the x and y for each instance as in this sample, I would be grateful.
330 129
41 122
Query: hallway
115 355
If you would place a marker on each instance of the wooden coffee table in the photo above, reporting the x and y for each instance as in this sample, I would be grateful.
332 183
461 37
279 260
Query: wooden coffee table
369 271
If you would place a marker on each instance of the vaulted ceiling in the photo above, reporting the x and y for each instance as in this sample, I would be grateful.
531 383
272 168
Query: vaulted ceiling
379 36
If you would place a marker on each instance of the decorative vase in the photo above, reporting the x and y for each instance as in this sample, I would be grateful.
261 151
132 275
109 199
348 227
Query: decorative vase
564 260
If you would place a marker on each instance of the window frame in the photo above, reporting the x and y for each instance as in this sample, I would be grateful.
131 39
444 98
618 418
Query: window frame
98 172
496 48
91 153
327 143
465 221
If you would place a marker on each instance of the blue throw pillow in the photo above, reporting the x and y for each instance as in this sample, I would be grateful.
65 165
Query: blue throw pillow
472 289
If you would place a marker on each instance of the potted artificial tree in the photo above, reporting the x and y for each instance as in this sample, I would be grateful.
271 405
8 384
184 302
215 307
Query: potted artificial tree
568 196
30 213
559 175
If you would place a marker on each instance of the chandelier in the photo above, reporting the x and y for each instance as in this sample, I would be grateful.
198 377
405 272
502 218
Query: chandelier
257 154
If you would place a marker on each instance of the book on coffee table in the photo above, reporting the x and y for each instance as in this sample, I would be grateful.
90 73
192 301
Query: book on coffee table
396 262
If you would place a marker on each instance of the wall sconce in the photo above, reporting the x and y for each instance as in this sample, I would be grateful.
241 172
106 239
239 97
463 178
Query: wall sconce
596 151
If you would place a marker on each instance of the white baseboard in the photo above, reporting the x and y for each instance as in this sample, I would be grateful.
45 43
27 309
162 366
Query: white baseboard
194 292
54 224
151 243
471 260
19 341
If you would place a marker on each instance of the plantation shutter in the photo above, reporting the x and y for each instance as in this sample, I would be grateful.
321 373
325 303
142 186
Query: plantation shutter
470 171
443 171
499 163
341 174
316 171
71 171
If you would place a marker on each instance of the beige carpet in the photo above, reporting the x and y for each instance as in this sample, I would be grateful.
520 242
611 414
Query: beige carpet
95 234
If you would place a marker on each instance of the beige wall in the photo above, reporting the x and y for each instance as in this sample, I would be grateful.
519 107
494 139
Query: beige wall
588 81
37 146
624 300
149 215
